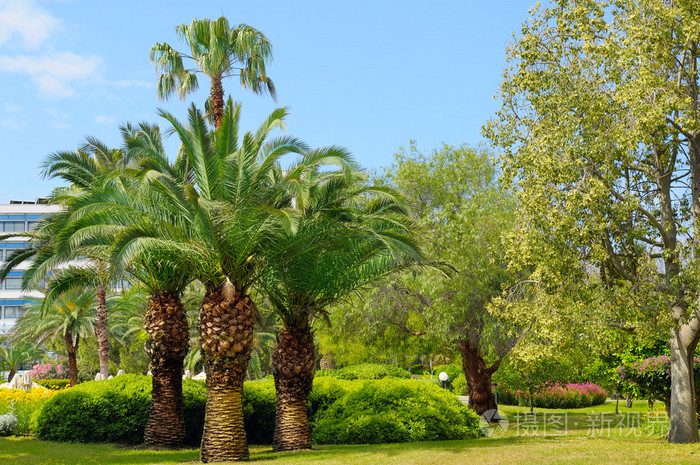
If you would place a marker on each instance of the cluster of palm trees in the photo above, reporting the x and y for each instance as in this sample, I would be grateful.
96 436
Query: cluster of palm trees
223 213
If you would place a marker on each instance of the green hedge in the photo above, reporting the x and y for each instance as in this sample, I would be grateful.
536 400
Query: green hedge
365 371
394 411
115 410
341 411
53 384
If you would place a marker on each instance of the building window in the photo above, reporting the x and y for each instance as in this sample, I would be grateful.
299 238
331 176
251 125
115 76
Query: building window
31 225
13 283
13 311
13 226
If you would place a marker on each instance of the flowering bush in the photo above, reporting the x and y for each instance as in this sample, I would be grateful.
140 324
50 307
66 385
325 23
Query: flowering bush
24 405
652 376
49 371
572 395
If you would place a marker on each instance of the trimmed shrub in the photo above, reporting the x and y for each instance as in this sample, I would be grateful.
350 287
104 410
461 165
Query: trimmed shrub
394 411
259 411
53 384
114 410
366 371
555 396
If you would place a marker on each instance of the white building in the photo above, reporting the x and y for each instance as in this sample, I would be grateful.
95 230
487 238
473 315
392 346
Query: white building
17 216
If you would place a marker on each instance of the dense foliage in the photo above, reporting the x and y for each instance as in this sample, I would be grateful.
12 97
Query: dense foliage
53 384
395 411
49 371
652 377
365 371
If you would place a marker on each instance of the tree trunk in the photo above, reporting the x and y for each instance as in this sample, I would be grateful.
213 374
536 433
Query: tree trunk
72 349
327 362
478 375
217 101
166 325
226 322
101 330
293 368
12 373
682 420
628 401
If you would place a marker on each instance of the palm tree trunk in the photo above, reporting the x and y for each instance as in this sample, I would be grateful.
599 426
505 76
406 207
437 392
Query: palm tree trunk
226 322
293 367
11 375
72 349
166 325
101 330
217 101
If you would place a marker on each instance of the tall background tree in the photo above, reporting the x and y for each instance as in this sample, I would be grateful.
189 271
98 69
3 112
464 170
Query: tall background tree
218 51
600 135
463 212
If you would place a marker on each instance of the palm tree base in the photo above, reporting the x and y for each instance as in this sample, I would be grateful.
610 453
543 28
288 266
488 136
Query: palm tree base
293 366
224 435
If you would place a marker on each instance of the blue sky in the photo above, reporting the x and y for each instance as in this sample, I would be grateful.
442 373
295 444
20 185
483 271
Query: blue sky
367 75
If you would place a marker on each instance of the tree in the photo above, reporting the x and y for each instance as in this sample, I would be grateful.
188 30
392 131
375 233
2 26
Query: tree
88 169
68 319
599 131
348 234
14 354
235 201
462 210
217 51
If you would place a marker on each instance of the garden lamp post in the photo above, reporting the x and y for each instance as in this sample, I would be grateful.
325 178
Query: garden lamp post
443 377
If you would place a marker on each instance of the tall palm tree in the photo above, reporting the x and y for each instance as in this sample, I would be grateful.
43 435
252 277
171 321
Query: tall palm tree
218 51
88 169
349 234
236 201
69 318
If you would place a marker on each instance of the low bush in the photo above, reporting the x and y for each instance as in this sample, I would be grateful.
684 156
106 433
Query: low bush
114 410
555 396
394 411
259 410
8 424
25 406
53 384
365 371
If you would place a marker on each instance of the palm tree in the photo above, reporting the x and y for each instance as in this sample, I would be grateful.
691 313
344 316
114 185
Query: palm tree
234 203
70 317
16 353
349 234
218 51
88 169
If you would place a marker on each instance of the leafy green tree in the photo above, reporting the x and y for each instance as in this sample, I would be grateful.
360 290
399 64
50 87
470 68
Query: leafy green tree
218 51
68 318
600 132
454 195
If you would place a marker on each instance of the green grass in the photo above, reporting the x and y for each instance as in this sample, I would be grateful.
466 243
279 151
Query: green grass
577 446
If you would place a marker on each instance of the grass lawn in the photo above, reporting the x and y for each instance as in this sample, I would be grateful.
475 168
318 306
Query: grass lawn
584 441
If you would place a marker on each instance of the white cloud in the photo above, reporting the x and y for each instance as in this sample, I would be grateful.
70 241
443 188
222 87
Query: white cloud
11 124
12 108
25 19
59 120
104 119
56 73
